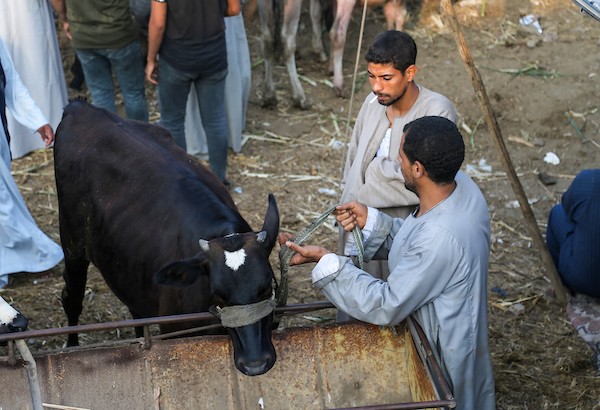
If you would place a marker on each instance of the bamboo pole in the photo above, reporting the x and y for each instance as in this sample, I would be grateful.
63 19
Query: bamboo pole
482 97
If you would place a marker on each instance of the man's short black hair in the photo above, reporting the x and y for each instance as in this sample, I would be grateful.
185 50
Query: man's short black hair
393 47
437 144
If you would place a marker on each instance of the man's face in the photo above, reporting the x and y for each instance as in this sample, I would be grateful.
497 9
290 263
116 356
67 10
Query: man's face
388 83
405 167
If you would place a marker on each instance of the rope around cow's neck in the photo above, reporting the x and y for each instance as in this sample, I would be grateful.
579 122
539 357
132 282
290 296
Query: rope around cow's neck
285 253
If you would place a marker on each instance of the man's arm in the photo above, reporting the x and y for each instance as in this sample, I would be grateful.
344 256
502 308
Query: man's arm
156 31
424 271
60 7
233 8
17 98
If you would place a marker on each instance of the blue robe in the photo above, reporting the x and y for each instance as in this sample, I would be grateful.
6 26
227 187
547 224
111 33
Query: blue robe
23 246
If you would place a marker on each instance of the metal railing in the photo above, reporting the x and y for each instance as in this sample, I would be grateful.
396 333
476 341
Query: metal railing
424 350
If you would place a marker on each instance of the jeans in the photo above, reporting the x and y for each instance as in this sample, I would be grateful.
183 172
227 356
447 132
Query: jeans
128 65
173 89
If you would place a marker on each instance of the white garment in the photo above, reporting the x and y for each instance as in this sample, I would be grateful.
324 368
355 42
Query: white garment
28 30
23 246
384 147
237 92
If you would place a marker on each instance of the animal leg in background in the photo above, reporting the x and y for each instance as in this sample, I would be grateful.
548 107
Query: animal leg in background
289 31
271 35
395 14
337 36
316 14
267 44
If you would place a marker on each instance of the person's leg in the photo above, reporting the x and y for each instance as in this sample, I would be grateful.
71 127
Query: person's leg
210 91
129 70
173 90
98 77
78 79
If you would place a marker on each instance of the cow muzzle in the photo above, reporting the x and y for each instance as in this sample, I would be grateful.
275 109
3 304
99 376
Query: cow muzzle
253 350
249 327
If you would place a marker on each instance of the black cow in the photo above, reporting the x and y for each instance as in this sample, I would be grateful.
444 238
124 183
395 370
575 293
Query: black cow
148 215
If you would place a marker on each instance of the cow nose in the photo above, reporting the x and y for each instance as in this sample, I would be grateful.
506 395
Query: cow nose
257 367
19 324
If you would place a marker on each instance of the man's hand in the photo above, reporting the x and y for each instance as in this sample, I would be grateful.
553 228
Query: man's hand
304 254
351 214
152 72
47 134
67 30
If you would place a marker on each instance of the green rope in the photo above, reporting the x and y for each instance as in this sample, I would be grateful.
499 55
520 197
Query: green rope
285 253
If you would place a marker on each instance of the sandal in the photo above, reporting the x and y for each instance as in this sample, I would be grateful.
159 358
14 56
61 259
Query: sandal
589 7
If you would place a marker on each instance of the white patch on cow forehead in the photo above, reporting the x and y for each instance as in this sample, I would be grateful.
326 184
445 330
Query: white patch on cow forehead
235 259
7 312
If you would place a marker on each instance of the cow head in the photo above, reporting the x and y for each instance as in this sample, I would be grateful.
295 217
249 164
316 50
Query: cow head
243 287
10 319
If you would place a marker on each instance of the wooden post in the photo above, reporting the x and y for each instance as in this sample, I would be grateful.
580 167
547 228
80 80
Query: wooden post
534 231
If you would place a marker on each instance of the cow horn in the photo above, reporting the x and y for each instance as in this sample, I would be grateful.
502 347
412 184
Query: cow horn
203 244
261 236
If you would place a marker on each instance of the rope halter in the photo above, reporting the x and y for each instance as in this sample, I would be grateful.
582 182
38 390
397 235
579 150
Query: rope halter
243 315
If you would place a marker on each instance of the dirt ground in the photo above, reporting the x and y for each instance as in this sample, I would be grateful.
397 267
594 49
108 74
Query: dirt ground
545 93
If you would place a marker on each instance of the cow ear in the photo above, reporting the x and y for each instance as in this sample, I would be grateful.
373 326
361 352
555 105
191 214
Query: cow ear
182 273
271 224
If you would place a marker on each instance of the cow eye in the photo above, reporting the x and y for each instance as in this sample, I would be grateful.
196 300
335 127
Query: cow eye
268 292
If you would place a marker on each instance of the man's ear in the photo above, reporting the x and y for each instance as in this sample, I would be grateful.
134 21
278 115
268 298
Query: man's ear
418 169
411 72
